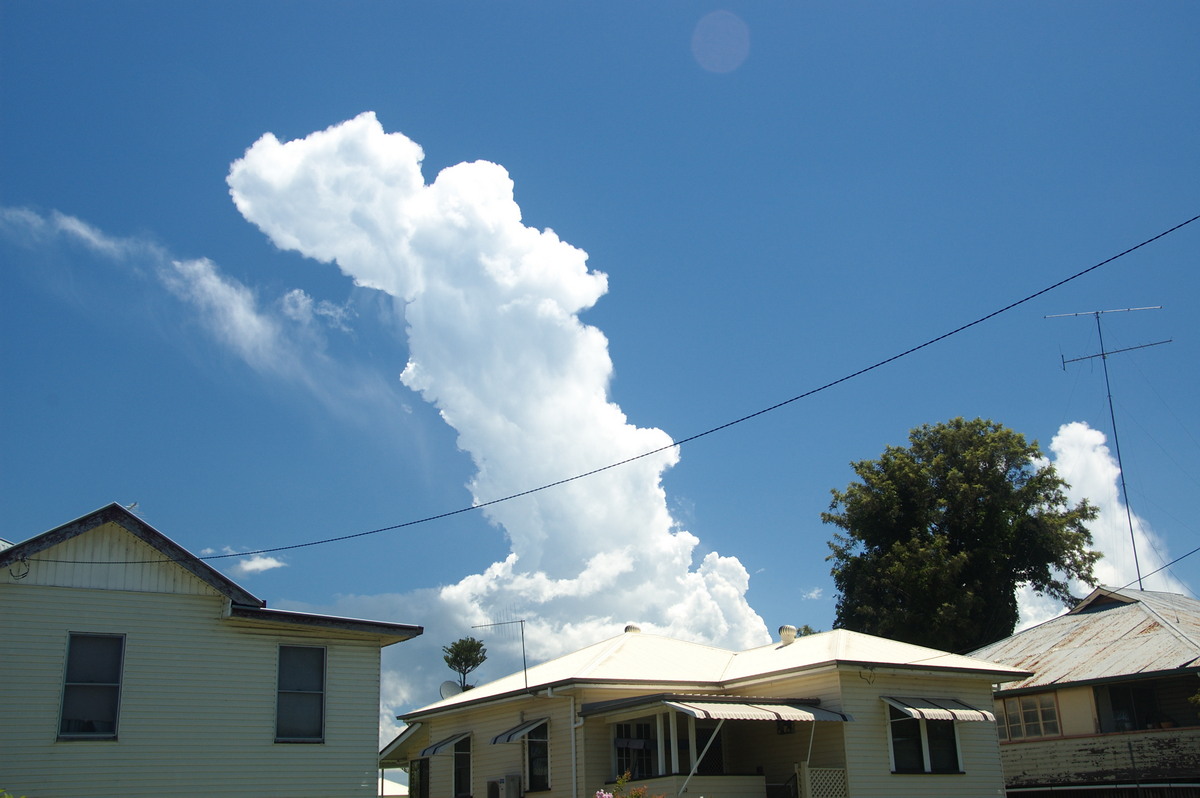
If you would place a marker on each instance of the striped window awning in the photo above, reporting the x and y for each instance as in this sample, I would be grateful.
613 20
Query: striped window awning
518 731
727 710
938 709
442 745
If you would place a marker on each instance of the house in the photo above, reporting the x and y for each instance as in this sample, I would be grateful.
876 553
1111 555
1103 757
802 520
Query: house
1106 709
821 716
130 667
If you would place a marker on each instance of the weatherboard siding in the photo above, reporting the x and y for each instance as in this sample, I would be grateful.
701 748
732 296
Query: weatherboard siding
107 558
494 762
868 769
1143 757
197 709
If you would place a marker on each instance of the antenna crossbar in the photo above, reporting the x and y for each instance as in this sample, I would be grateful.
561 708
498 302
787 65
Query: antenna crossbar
1115 352
1103 355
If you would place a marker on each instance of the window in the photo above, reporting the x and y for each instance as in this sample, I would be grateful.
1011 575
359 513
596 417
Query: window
635 749
1022 717
462 767
922 746
91 687
537 758
418 778
300 708
1125 707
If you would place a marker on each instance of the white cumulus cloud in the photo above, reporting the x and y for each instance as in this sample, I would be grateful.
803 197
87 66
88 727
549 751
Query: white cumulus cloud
497 345
1083 460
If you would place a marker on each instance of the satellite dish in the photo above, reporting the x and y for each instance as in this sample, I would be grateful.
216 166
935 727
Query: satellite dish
450 688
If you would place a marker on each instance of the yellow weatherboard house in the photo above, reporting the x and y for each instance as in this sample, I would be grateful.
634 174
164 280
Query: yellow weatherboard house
829 715
132 668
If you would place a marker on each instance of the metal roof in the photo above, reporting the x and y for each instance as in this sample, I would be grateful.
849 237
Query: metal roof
1111 634
649 660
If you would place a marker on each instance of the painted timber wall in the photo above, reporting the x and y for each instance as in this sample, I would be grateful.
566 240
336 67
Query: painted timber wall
868 763
198 691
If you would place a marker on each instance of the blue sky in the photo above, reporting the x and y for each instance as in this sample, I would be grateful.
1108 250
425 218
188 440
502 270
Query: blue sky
746 202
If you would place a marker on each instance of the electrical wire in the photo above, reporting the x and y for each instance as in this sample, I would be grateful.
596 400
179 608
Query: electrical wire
678 443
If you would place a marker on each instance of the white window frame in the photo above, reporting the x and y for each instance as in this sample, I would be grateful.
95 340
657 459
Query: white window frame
1004 723
927 768
70 686
280 693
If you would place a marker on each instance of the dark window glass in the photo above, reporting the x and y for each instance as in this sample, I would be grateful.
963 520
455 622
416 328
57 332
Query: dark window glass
537 751
92 687
418 778
907 753
943 749
462 767
300 711
635 749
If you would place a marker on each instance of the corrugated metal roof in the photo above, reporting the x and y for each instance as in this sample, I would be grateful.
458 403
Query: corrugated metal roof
1112 633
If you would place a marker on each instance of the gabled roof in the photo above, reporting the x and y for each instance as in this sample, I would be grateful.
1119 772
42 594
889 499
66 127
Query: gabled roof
244 607
667 664
170 550
1111 634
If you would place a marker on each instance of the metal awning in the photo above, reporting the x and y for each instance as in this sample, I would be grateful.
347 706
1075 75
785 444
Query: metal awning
442 745
726 710
518 731
938 709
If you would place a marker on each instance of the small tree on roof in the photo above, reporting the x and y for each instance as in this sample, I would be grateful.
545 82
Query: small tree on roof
463 656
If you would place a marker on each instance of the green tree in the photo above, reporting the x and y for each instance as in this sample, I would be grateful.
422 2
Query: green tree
463 656
937 536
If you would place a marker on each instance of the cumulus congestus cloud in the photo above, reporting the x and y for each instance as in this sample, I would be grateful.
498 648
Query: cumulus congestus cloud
496 345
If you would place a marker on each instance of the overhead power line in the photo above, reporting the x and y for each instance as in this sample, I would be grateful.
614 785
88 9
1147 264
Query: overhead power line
691 438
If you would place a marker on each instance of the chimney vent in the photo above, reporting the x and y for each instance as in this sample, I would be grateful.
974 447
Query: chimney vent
787 633
633 627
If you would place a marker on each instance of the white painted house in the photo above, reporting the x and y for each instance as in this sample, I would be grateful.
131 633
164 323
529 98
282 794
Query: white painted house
131 668
828 715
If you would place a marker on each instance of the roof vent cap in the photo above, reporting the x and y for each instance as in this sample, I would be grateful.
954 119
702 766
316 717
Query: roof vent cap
787 634
632 628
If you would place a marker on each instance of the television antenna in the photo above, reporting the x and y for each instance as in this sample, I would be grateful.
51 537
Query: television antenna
524 662
1103 355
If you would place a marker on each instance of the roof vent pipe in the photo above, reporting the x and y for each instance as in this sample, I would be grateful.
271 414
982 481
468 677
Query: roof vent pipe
633 627
787 633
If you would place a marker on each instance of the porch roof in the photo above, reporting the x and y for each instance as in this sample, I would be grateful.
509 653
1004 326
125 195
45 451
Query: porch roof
721 707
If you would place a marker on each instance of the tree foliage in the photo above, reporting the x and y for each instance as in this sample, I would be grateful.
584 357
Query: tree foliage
937 536
463 656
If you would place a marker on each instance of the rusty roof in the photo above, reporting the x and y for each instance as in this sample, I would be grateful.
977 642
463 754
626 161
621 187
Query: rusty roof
1111 634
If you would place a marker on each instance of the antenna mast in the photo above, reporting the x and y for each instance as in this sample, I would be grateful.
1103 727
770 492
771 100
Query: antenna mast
524 662
1103 355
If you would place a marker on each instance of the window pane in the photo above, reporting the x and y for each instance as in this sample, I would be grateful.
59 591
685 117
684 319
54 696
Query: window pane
89 709
906 742
300 707
302 668
92 689
943 751
300 716
94 659
462 767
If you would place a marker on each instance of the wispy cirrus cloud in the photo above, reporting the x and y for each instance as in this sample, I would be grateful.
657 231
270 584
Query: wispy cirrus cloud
282 338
